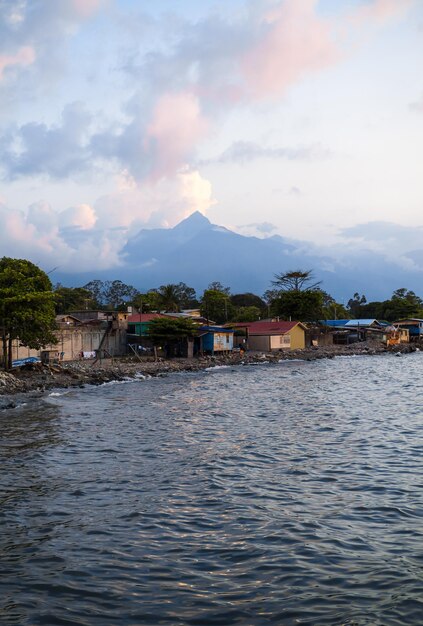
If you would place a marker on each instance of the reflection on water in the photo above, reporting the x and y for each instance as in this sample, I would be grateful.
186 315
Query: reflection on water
288 494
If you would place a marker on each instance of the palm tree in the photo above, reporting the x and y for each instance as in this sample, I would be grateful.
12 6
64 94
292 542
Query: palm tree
169 298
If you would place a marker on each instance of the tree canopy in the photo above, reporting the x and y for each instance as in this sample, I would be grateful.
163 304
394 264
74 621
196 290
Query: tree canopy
110 294
296 296
402 304
170 333
26 306
216 306
295 280
72 299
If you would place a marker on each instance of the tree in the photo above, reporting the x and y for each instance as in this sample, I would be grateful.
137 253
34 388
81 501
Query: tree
247 299
355 305
296 297
404 303
171 333
95 288
295 280
26 306
332 309
72 299
246 314
146 302
117 295
216 306
304 305
217 286
169 298
113 294
187 296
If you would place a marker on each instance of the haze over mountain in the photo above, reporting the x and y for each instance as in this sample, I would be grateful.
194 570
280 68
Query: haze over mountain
198 252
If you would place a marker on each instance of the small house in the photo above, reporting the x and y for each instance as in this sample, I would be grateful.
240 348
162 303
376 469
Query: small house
414 327
138 323
212 339
267 336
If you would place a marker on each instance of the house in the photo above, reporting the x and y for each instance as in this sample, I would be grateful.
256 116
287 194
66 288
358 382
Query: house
97 335
138 323
212 339
414 327
351 331
266 336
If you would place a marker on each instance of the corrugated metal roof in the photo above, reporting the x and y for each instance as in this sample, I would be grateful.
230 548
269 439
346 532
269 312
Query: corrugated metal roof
333 323
143 317
216 329
362 322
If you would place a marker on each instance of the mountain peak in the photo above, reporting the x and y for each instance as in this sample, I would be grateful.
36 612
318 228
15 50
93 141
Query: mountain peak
194 222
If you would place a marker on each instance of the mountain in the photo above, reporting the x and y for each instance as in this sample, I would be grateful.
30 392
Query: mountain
198 252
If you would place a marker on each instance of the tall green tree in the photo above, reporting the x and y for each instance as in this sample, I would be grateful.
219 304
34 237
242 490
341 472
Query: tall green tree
169 298
355 305
296 296
296 280
26 306
216 306
304 306
146 302
72 299
96 288
170 333
116 294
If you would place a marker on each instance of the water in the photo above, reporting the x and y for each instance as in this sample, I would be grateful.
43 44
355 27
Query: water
286 494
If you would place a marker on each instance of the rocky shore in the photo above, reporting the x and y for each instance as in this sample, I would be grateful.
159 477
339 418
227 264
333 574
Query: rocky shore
40 378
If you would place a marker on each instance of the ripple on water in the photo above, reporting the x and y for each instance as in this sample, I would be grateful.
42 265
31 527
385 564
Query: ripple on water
286 495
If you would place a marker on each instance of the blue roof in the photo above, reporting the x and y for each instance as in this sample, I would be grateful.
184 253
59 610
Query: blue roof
217 329
333 323
362 322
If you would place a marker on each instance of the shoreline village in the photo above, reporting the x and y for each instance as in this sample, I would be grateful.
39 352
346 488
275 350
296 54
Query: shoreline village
40 377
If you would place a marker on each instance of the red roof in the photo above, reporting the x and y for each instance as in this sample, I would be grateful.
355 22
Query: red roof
268 328
143 317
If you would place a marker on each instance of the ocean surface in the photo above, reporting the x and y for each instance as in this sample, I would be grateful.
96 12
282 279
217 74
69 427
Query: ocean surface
271 494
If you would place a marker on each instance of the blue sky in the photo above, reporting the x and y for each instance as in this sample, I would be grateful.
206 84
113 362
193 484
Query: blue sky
295 117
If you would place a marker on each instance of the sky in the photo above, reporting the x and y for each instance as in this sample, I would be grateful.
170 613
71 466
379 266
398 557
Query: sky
300 118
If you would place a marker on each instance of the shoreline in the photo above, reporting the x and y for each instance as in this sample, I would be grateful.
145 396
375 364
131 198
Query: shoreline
41 378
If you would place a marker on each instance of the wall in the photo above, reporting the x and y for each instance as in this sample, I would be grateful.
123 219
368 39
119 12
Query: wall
297 338
73 341
223 342
259 342
280 342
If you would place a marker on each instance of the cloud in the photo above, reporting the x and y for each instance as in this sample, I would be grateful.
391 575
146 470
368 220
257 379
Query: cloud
290 41
179 92
176 127
161 203
33 38
247 151
86 237
40 235
382 10
57 151
401 245
23 57
256 228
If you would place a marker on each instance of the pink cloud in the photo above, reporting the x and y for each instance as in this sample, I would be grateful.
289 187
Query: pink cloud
24 57
176 127
293 41
381 10
86 8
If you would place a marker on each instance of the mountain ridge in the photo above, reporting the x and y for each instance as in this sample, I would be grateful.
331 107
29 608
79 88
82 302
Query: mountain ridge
198 252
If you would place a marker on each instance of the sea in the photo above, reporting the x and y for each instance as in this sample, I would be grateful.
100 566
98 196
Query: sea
288 494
